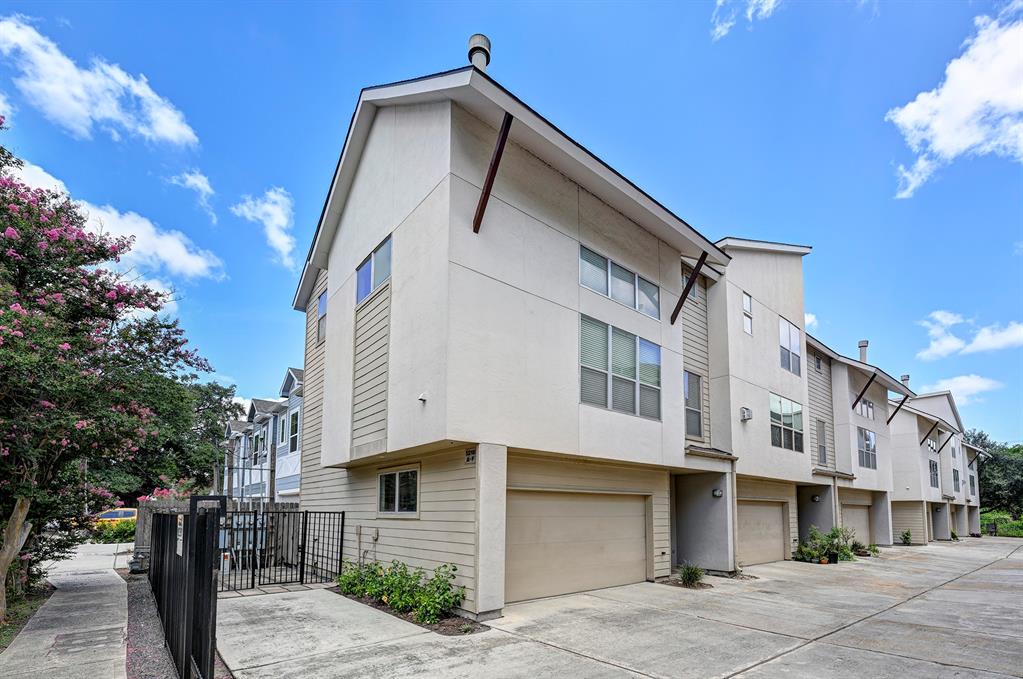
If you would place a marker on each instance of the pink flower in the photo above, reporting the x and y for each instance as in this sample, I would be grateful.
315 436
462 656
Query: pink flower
47 404
81 424
11 233
13 208
64 346
111 295
42 245
18 309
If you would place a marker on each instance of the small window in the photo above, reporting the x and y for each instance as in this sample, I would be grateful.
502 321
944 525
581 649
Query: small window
398 492
618 370
867 446
932 444
817 362
649 298
321 317
822 442
282 430
293 431
790 339
865 408
953 446
973 485
694 292
934 473
374 271
600 274
955 480
747 313
692 385
786 424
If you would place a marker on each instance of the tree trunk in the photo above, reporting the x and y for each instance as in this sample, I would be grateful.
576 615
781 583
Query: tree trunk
15 533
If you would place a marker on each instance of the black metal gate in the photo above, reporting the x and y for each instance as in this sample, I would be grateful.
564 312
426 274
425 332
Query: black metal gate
183 575
270 547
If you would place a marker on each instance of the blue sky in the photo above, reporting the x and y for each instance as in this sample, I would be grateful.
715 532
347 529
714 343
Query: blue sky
887 136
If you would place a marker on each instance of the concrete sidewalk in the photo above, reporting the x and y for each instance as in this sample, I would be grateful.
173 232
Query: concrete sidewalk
80 632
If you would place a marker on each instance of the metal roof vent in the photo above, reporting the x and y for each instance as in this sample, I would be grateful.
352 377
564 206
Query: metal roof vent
479 51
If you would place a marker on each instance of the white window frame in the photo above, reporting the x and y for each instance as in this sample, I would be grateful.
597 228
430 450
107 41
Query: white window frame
694 292
610 375
635 283
866 446
865 408
282 430
956 484
788 349
797 434
686 374
396 471
973 485
821 428
297 434
932 444
371 259
321 317
747 313
935 473
818 362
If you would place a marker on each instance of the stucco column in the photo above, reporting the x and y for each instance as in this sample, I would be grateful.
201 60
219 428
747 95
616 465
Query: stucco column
491 495
881 519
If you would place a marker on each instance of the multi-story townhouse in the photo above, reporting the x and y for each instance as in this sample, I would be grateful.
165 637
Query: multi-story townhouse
288 437
239 474
494 371
936 491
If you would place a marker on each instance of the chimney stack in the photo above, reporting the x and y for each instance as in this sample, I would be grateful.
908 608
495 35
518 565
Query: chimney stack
479 51
863 350
905 381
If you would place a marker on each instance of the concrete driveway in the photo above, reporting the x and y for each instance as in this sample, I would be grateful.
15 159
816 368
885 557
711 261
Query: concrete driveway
944 610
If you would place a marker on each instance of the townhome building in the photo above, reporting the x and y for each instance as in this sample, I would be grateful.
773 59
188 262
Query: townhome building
287 439
494 354
243 475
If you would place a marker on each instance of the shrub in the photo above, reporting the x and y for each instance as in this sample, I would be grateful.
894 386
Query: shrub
109 533
402 589
1011 529
874 550
690 575
857 546
954 536
906 537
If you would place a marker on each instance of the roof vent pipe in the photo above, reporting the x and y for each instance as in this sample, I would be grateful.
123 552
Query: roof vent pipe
905 381
863 350
479 51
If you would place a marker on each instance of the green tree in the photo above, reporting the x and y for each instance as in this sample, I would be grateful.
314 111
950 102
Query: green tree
1001 476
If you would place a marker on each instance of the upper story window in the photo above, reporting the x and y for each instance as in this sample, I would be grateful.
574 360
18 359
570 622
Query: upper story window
865 408
786 423
398 492
822 442
694 292
867 444
619 370
373 271
932 444
747 313
973 485
693 388
817 362
600 274
953 451
293 431
955 480
934 473
791 342
321 316
282 430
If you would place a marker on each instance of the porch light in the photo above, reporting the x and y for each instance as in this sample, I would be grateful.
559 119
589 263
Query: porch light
816 498
717 492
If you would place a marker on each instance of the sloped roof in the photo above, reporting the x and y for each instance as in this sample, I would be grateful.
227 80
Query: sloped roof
881 376
296 375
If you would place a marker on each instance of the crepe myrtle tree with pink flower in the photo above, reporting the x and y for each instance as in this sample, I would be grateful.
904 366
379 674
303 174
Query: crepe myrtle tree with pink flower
81 343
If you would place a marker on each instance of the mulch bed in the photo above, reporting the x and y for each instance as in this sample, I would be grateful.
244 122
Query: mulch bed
20 611
452 626
147 656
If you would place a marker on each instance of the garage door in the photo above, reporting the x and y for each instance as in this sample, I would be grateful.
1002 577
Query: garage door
857 517
761 532
559 543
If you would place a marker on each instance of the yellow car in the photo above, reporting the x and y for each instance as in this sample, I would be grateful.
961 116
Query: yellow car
116 516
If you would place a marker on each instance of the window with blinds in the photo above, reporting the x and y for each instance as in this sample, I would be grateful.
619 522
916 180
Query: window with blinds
600 274
867 444
618 370
934 473
692 384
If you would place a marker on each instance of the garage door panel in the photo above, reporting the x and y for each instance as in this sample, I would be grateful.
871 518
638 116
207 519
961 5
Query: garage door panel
570 542
857 517
761 532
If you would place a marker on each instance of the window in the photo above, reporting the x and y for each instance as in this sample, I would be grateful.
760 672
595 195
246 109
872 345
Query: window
618 369
293 431
822 442
953 451
398 492
973 485
693 386
817 362
867 444
786 424
321 317
373 271
790 340
865 408
955 480
934 473
932 444
694 292
282 430
747 313
600 274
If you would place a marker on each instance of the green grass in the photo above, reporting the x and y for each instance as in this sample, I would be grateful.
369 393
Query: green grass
19 611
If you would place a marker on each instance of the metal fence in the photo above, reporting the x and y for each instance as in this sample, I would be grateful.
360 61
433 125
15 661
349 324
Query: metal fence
183 575
279 547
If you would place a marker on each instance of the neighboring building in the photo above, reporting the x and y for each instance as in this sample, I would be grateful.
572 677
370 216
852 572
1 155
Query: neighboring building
244 476
288 438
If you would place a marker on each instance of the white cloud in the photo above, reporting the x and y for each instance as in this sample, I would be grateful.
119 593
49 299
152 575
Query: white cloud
1017 247
155 249
995 337
976 110
6 107
79 99
965 388
726 14
943 342
245 403
274 210
810 321
200 183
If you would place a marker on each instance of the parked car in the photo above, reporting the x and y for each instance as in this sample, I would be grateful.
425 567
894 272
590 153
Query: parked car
116 516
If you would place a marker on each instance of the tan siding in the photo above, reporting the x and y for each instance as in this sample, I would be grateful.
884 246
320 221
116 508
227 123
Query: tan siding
821 406
535 472
758 489
696 346
369 386
909 516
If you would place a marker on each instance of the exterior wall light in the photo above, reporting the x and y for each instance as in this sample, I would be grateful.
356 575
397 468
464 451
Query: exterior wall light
717 492
816 498
937 509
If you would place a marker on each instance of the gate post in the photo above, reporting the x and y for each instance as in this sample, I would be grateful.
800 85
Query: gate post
302 547
252 565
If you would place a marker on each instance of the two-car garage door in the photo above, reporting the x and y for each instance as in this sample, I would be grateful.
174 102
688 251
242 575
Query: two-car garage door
559 543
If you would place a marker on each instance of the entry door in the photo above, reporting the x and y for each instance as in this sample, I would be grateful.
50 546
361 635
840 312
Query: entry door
761 532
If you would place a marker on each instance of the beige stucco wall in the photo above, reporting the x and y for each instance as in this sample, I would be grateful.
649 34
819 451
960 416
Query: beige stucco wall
847 384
